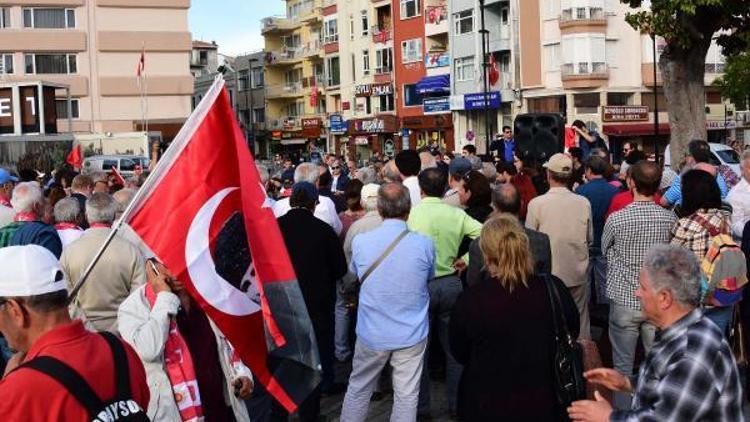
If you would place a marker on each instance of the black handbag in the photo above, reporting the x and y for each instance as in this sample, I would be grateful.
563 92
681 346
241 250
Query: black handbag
568 357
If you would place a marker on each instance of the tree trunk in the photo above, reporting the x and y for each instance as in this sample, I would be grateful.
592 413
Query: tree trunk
683 72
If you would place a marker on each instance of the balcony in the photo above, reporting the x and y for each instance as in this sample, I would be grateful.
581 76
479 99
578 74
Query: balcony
583 20
284 123
436 17
584 74
278 24
292 55
331 43
383 75
288 90
380 36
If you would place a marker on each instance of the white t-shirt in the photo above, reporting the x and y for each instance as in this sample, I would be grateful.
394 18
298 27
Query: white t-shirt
325 211
68 236
415 193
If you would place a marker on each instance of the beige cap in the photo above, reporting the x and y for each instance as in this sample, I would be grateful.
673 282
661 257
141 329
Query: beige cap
559 163
369 190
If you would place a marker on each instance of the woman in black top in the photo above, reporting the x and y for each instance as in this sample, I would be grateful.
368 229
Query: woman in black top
475 194
501 330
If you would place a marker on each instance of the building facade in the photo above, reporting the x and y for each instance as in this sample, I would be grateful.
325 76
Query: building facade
301 66
94 48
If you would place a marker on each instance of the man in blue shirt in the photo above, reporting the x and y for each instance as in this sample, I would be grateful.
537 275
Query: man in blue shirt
699 153
599 193
392 318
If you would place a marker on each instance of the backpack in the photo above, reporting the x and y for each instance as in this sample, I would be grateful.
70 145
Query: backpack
121 408
724 268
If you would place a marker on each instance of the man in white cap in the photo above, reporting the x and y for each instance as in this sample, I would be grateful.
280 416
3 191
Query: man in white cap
566 218
35 321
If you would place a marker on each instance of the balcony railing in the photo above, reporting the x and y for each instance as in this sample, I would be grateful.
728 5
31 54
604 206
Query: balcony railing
582 14
279 23
584 69
284 123
380 35
285 90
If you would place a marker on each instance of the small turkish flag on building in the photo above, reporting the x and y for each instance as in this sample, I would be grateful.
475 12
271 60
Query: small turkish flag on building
75 158
204 213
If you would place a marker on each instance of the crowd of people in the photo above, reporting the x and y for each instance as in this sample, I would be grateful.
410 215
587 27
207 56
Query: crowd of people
424 266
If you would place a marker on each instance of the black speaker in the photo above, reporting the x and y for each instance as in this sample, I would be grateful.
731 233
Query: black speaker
539 135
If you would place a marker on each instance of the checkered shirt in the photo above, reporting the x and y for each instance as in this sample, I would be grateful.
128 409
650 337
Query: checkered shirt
628 234
690 234
689 375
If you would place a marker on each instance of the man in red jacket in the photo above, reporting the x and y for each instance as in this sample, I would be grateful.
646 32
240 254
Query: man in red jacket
34 320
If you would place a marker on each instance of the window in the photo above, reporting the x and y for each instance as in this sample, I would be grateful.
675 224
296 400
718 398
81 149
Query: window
618 98
586 103
409 8
411 51
49 18
259 115
61 106
580 13
51 64
243 80
384 61
4 17
366 62
464 69
713 97
386 103
354 67
334 72
365 24
411 96
647 99
464 21
351 27
330 31
258 78
6 64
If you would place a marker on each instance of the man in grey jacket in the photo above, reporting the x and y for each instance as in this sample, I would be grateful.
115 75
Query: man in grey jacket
506 199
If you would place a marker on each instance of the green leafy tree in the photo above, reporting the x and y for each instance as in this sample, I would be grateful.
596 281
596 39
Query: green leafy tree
688 27
735 83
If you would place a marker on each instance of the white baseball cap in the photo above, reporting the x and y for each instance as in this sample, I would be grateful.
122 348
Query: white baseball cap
369 190
30 270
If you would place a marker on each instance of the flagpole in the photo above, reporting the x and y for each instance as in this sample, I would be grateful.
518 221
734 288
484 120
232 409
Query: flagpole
154 178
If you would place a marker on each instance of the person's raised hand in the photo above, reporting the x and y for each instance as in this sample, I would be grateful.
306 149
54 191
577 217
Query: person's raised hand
597 410
158 276
609 378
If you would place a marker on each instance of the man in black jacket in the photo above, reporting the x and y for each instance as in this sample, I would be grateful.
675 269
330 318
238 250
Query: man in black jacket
318 260
506 199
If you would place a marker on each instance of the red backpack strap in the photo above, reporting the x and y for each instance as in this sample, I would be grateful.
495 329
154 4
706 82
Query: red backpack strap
712 230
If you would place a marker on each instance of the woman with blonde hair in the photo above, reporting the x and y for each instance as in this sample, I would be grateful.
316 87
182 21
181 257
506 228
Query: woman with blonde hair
501 330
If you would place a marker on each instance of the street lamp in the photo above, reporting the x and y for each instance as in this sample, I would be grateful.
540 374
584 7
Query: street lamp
485 76
223 69
251 105
656 103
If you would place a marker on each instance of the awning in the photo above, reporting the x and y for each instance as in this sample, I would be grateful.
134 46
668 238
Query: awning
293 141
439 84
636 129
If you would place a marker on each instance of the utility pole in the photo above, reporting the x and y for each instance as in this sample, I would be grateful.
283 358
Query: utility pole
251 105
485 76
656 103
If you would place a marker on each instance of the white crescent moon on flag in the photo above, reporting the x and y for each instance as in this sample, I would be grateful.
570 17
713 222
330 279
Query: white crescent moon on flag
202 270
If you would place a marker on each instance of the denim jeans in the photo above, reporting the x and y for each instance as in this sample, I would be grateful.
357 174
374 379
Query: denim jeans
597 274
343 319
625 326
443 294
721 316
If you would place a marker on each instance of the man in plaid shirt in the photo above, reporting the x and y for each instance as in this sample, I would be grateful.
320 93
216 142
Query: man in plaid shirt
628 235
690 373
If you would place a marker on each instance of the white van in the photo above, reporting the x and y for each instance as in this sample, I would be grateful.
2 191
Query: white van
720 154
125 164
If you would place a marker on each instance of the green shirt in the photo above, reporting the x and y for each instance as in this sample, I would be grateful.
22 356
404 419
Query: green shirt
447 226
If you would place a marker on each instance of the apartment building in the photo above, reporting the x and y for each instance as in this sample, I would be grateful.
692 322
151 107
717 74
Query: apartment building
299 72
94 48
581 59
422 72
365 99
467 71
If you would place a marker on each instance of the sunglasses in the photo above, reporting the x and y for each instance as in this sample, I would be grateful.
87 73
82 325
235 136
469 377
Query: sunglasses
335 167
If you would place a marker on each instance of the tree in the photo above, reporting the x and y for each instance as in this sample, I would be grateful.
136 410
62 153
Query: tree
688 26
735 83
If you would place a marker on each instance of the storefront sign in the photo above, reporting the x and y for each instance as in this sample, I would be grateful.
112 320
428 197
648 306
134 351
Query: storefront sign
383 124
362 91
476 101
625 113
361 140
28 109
336 124
720 125
310 123
290 124
435 60
382 89
346 105
437 105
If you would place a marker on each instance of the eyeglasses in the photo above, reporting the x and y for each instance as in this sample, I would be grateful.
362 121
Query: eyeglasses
507 131
335 167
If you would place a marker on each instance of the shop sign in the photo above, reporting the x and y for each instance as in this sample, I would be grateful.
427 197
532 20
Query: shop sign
336 124
382 89
435 60
290 124
361 140
346 105
720 124
457 102
362 90
310 123
437 105
370 126
476 101
624 113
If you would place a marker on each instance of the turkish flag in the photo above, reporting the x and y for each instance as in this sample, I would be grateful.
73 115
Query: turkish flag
494 73
205 214
75 158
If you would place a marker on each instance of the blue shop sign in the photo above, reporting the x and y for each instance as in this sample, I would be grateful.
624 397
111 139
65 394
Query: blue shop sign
476 101
337 124
437 105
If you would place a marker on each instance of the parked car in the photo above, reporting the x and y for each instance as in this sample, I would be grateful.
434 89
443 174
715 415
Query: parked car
720 154
125 164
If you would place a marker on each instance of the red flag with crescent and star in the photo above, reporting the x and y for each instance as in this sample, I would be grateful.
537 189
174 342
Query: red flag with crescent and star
203 211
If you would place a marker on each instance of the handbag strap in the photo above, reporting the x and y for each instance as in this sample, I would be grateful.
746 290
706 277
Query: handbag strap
558 316
382 257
